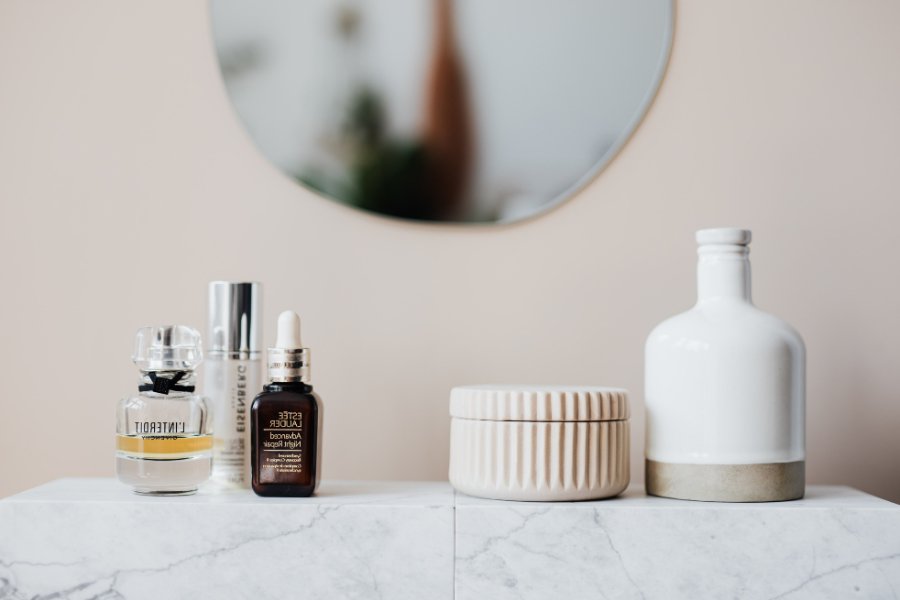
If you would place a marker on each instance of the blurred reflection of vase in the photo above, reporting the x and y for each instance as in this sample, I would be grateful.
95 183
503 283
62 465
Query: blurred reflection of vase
447 124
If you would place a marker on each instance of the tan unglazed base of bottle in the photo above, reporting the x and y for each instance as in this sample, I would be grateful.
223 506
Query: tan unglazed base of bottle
767 482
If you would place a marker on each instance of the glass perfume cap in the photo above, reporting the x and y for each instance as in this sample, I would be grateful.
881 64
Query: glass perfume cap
167 348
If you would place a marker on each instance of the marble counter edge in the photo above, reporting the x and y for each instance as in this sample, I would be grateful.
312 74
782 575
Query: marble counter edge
411 494
424 494
817 497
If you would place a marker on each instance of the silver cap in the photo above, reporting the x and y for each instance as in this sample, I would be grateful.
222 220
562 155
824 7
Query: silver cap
234 309
288 365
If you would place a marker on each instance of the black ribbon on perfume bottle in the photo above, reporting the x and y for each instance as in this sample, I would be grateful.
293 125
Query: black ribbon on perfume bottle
164 385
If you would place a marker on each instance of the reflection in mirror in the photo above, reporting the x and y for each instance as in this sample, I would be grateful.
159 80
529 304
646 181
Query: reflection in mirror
442 110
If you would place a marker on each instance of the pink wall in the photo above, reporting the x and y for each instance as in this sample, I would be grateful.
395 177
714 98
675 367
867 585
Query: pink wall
127 184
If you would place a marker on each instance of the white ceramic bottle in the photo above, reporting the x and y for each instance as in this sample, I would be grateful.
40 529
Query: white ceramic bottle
725 390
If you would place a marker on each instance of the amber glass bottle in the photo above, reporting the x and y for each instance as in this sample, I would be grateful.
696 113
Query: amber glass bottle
285 420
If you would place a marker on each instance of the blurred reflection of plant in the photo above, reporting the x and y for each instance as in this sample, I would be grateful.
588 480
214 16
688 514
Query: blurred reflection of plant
423 177
239 59
382 173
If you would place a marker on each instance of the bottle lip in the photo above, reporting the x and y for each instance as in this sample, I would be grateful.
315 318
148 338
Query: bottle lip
234 355
724 236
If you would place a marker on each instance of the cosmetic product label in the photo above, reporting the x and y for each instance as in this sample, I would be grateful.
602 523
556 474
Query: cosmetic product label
282 448
231 385
159 427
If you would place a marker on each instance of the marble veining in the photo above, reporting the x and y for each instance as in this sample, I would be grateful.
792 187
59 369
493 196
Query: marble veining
374 541
650 548
92 539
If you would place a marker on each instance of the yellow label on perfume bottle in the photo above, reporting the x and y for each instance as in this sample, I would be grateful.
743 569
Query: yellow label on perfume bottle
164 446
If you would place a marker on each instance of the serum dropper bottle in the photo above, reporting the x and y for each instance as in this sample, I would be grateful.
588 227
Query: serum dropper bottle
286 420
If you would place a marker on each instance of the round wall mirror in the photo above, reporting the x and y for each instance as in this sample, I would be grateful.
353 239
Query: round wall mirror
442 110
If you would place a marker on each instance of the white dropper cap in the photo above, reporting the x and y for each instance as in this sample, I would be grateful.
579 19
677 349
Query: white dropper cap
288 360
288 334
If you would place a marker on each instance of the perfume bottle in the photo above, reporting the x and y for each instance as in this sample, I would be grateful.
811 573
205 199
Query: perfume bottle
286 420
163 435
725 390
232 376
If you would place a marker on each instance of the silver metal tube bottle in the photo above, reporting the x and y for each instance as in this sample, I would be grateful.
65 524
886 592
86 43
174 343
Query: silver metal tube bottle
233 375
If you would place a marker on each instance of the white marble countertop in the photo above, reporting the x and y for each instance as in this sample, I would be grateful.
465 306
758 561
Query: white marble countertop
93 538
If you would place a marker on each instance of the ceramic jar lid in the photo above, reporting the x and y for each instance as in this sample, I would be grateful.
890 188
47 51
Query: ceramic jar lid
539 403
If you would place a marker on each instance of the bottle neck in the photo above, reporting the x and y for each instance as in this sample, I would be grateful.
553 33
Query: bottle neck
147 381
288 386
723 272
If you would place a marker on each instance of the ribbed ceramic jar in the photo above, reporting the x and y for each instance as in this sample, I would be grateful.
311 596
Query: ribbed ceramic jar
539 443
